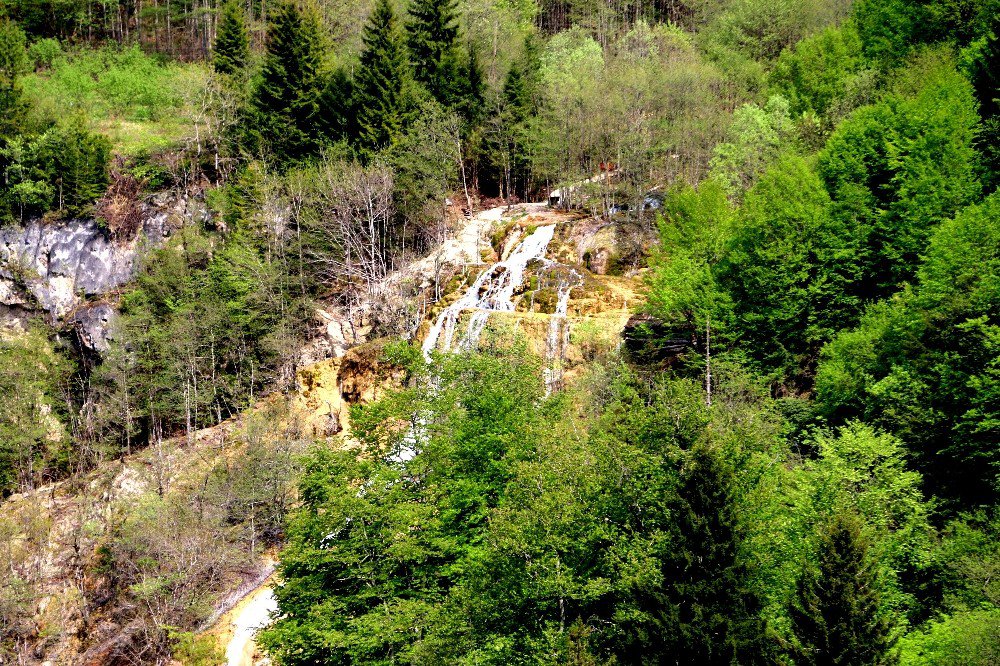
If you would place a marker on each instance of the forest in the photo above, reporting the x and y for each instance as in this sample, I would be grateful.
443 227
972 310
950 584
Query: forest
789 454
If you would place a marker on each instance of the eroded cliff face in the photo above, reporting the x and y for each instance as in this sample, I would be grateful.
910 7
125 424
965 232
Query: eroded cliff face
64 268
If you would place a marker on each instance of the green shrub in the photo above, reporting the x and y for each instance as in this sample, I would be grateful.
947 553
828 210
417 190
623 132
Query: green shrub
44 53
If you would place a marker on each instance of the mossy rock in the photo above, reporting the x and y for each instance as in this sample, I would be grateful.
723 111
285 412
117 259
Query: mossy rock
499 236
545 300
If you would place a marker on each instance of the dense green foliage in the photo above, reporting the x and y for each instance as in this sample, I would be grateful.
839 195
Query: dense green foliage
47 164
282 116
497 541
382 85
838 617
924 363
231 52
818 485
207 330
32 377
626 521
13 63
433 45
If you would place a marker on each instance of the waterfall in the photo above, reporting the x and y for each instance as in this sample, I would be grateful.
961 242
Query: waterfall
493 291
557 338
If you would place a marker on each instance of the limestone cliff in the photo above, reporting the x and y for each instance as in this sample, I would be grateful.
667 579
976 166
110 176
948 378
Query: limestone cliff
63 268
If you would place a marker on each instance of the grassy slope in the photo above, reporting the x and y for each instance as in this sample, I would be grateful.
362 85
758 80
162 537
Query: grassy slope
143 104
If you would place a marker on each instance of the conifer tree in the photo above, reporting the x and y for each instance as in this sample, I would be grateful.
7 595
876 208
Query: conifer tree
475 86
433 43
232 41
13 62
837 617
381 84
710 613
516 93
286 97
336 119
521 82
82 164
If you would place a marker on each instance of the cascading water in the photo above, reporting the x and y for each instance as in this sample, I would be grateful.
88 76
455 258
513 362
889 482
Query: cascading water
493 291
557 338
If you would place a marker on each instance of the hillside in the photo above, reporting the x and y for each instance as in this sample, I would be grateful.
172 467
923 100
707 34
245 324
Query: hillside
499 332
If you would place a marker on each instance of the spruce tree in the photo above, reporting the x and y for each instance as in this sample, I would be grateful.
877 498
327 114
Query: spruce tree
837 616
232 41
286 98
13 62
336 118
380 89
709 611
522 81
475 86
433 43
517 93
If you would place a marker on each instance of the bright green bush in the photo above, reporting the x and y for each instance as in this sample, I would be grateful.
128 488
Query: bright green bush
44 53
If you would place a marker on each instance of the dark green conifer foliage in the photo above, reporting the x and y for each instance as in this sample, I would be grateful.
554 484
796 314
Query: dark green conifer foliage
433 42
381 84
232 41
710 613
522 82
285 101
80 161
517 92
837 617
518 106
335 121
475 86
13 62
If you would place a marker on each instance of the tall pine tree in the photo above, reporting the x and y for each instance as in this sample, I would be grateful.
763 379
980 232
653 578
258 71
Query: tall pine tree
232 41
709 612
837 616
286 98
433 42
336 119
380 88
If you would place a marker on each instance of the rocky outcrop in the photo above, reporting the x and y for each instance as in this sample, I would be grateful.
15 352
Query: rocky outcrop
60 267
93 325
54 266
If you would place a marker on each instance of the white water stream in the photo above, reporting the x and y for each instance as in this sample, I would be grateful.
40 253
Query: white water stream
557 339
493 291
254 615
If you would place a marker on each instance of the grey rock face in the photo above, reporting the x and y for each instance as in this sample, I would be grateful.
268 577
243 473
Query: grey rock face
62 267
94 324
58 265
